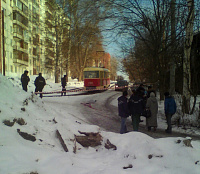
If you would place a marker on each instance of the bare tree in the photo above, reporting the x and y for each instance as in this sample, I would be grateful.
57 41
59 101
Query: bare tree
186 59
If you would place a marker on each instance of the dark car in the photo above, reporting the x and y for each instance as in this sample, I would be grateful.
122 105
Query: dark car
120 85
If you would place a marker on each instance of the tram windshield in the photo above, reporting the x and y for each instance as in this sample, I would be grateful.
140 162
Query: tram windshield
91 74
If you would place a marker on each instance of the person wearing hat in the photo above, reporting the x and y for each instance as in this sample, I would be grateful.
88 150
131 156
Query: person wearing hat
25 79
39 83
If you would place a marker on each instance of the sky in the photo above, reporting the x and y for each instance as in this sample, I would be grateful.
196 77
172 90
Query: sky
46 155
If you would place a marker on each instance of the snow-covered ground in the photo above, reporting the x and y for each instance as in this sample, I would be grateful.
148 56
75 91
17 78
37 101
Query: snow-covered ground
136 152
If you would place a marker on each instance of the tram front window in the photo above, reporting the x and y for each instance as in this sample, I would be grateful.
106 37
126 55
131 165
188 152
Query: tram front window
91 74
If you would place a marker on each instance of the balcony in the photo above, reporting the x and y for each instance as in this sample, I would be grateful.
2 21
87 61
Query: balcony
25 2
20 62
18 48
20 24
18 36
23 13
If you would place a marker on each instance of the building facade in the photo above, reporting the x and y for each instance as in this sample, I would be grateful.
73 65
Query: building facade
27 43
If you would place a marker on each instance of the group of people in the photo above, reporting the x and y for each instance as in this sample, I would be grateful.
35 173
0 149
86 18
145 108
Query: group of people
39 82
135 106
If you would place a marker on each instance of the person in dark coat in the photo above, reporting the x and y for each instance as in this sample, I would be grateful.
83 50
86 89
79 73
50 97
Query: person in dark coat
63 83
39 83
152 104
25 79
142 93
136 105
123 111
149 90
170 110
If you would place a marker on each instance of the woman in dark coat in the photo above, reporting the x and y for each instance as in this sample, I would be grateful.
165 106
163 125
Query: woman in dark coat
152 104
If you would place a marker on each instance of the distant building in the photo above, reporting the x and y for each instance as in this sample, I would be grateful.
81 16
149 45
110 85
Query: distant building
27 42
102 59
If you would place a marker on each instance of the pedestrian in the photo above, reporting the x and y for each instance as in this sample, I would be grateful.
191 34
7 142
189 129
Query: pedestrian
25 79
63 83
141 92
123 111
149 90
170 110
39 83
136 106
152 104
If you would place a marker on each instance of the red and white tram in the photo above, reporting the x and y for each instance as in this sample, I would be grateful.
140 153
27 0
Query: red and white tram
96 78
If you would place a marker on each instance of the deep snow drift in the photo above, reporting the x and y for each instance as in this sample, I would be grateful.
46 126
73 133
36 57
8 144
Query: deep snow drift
136 152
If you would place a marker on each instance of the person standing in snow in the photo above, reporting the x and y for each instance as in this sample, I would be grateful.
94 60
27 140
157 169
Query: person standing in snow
152 104
39 83
63 83
170 110
136 106
123 111
142 92
25 79
149 90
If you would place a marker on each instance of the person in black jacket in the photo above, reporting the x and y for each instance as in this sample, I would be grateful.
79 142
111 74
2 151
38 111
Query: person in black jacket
136 105
39 83
123 111
25 79
64 83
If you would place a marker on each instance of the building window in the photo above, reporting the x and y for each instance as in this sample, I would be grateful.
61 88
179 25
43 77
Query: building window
19 4
11 68
14 2
15 69
11 55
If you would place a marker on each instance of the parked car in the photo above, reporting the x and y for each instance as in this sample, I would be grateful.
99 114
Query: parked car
120 85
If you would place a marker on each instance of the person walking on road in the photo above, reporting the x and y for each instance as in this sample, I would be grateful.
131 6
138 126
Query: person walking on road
64 83
170 110
123 111
25 79
39 83
152 104
136 105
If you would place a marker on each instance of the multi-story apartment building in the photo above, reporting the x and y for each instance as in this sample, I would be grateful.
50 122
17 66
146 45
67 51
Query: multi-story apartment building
27 40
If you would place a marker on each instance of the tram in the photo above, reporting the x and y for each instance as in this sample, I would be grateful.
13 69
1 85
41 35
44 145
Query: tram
96 78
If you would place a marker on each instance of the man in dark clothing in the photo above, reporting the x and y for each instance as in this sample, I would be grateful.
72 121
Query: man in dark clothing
63 82
149 90
136 106
39 83
123 111
25 79
141 92
170 110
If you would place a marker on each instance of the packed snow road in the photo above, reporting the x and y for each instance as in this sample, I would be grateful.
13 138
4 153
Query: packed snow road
101 109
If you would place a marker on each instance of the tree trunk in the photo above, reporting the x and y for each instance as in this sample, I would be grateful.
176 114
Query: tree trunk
173 40
186 59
